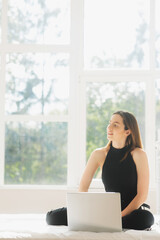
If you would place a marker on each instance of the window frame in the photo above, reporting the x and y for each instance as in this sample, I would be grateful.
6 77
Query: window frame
6 48
146 75
77 99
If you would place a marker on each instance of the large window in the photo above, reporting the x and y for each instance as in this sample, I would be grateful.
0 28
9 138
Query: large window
35 74
121 57
65 67
117 38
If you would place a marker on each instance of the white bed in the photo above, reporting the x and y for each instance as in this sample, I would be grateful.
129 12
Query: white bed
33 226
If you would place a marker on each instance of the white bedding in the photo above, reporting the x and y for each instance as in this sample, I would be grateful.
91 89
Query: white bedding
33 226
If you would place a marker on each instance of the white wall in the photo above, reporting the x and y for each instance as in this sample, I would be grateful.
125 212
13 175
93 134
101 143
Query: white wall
36 200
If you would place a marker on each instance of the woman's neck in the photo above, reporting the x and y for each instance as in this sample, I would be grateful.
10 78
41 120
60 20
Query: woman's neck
118 145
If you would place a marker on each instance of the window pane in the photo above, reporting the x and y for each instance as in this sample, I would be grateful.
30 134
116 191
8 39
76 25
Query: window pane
103 99
157 33
36 153
116 34
157 110
37 83
43 21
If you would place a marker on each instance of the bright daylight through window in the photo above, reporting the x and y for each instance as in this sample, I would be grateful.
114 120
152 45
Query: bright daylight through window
118 36
36 92
65 67
111 42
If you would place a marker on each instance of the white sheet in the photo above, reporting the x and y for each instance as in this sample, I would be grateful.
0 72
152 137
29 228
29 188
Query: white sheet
34 227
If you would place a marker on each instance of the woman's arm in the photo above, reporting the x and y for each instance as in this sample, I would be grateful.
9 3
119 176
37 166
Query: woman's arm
95 160
141 161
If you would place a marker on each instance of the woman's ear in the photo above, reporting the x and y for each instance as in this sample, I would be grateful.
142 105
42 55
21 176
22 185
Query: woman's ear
128 132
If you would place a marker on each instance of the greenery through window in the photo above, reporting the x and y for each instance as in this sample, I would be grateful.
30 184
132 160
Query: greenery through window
36 153
37 92
65 67
106 98
34 83
38 21
115 43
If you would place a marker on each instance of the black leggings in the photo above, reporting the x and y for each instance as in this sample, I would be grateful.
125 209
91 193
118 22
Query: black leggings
139 219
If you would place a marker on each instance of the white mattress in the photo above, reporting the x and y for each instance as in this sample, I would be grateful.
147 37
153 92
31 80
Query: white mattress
33 226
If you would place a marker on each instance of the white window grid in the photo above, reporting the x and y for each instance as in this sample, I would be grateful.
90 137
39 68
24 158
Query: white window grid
77 100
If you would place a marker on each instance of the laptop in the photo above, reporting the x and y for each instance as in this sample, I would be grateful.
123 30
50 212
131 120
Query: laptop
96 212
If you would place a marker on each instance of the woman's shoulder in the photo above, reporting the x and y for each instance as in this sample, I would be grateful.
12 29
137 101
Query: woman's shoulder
138 151
100 151
139 154
100 154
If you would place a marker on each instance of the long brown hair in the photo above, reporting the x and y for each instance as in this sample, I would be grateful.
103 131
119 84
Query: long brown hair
134 139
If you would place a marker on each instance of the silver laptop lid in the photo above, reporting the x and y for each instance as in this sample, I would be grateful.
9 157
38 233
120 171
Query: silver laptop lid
98 212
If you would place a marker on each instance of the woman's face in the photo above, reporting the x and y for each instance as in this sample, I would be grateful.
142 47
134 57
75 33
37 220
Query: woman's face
116 129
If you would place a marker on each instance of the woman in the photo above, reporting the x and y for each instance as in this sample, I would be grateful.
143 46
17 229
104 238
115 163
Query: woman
125 169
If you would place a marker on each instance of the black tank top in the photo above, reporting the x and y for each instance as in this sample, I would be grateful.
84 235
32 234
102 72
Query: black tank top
120 176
